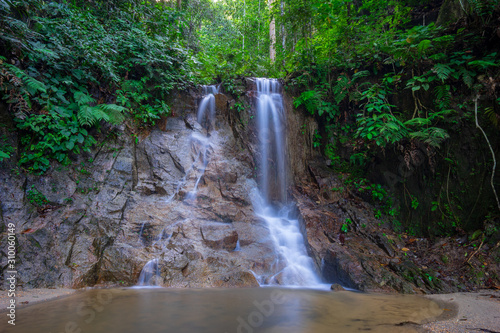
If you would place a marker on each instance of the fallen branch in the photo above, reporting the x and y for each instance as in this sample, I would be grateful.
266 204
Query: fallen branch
492 154
475 252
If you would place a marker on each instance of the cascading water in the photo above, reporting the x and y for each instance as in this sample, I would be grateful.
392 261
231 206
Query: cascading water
206 110
295 267
150 273
206 118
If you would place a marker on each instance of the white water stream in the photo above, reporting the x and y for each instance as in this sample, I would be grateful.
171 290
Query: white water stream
296 268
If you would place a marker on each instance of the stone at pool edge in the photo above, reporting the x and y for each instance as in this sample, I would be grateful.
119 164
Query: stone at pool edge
337 287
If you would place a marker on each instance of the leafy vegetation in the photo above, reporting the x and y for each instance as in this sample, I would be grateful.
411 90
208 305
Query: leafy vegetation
67 67
379 77
381 81
36 197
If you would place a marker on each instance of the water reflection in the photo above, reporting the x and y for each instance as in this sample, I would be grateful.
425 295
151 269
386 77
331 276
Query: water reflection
225 310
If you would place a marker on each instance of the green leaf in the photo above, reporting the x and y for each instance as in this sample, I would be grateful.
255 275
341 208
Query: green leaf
424 45
442 71
483 64
417 122
80 138
3 155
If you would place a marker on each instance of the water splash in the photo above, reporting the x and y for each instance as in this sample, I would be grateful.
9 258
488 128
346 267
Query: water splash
150 275
295 267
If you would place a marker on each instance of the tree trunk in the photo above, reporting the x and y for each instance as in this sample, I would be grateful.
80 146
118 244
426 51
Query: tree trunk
272 36
283 41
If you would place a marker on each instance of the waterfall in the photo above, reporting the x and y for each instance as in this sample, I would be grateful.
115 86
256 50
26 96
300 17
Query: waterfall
206 118
206 110
150 274
272 134
295 267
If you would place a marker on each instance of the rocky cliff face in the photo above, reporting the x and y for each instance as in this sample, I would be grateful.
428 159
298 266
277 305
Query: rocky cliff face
129 201
125 203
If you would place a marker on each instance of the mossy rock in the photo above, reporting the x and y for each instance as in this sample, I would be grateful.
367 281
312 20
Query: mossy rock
451 11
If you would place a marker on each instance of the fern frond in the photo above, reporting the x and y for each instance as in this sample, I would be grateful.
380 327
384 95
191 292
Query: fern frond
468 80
31 83
83 98
440 114
433 136
114 112
443 97
442 71
417 122
482 63
492 116
4 6
310 99
360 74
41 48
86 115
341 89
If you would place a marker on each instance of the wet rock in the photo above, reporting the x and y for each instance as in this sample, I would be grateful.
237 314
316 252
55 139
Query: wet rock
337 287
219 236
385 244
368 259
329 185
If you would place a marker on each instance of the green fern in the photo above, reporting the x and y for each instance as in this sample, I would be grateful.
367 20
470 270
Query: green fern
417 122
483 7
32 85
4 6
492 116
83 98
90 115
483 64
360 75
443 97
392 130
433 136
440 114
442 71
341 88
467 78
310 99
114 112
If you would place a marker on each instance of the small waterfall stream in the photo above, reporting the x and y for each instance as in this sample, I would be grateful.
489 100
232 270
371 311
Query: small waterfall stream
295 267
150 273
206 118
